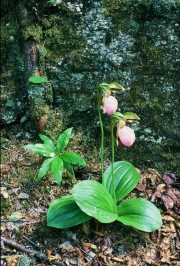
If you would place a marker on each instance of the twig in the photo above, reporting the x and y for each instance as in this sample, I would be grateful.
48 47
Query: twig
31 242
38 255
74 245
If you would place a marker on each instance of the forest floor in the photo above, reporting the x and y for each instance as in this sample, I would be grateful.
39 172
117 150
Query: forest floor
26 239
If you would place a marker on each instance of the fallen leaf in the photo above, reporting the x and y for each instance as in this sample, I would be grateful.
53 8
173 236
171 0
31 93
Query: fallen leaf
177 243
23 195
15 216
169 179
150 256
11 261
4 193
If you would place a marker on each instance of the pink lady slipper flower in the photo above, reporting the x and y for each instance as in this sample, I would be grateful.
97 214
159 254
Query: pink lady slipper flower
110 104
126 136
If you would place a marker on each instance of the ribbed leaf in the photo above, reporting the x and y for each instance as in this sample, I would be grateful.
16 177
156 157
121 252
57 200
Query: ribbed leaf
57 169
125 177
93 199
140 214
45 168
73 158
64 139
65 213
41 149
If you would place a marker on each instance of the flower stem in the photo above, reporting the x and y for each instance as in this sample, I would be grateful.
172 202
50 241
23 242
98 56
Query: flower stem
102 143
112 165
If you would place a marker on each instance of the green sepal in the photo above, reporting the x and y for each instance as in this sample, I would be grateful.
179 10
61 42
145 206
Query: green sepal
139 213
115 118
115 85
130 116
102 87
65 213
116 115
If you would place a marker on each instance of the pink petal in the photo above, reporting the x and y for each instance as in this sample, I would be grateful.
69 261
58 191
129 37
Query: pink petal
110 105
126 136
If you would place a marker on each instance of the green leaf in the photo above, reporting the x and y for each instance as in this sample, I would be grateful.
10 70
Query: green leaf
45 168
73 158
65 213
37 79
57 168
131 116
125 178
93 199
68 167
47 141
139 213
41 149
15 216
63 139
116 86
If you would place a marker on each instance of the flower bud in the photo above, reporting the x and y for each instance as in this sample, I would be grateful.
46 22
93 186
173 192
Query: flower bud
110 104
126 136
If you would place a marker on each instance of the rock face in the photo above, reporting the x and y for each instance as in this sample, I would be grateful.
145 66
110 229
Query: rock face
83 43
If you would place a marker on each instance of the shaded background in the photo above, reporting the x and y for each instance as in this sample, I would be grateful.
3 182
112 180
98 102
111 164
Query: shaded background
77 45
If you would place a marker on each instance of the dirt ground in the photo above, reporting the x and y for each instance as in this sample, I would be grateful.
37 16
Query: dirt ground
26 239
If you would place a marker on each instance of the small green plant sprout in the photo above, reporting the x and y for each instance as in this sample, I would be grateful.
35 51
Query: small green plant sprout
104 202
37 79
55 160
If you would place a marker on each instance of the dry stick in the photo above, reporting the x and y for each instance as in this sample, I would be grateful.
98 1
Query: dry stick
31 242
81 249
38 255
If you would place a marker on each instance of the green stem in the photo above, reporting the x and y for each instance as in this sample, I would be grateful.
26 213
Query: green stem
102 142
112 165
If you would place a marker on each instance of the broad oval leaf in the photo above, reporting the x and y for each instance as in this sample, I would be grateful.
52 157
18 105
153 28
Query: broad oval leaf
94 199
47 141
45 168
73 158
125 177
57 169
37 79
65 213
41 149
64 139
139 213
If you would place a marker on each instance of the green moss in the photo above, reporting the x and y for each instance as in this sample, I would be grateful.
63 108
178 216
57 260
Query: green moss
5 45
5 206
32 32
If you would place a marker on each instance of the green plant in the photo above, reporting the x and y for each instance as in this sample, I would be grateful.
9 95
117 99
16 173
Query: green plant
56 160
90 198
37 79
